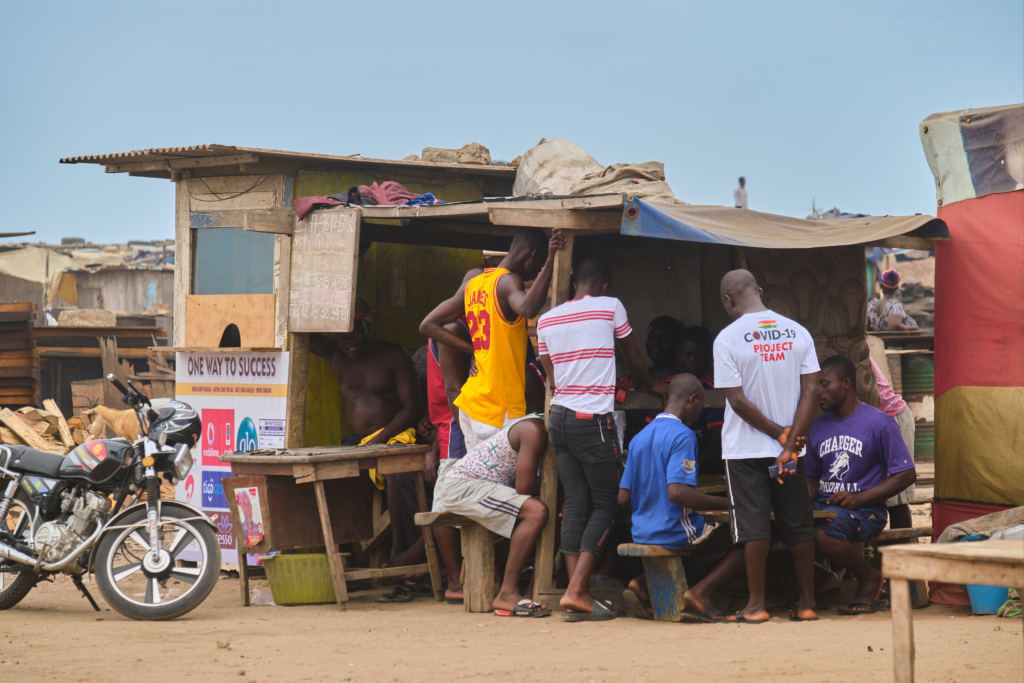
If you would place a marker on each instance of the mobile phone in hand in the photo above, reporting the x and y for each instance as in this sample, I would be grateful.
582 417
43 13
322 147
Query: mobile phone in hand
773 471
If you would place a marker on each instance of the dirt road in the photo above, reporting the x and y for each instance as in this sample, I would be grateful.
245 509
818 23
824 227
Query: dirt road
54 635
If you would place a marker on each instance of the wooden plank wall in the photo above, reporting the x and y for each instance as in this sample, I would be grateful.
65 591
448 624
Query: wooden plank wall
402 283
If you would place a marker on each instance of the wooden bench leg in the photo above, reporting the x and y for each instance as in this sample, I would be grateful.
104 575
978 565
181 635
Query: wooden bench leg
666 583
428 541
334 558
478 551
902 632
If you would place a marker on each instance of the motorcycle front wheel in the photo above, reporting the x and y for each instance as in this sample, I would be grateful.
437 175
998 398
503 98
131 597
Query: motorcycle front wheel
16 579
144 589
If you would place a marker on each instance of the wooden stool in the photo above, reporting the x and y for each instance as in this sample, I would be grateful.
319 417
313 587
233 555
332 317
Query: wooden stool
478 553
666 580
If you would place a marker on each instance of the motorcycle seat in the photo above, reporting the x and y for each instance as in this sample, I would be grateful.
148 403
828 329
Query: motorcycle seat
30 461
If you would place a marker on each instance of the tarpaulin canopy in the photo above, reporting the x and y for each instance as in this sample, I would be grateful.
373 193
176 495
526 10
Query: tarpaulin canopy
975 152
743 228
46 267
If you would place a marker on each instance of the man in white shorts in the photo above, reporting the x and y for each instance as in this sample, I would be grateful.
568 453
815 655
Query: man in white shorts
494 485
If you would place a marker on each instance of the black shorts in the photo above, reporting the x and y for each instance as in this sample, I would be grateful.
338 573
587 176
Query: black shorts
754 495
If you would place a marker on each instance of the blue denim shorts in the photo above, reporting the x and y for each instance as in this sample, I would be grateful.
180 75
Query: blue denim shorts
852 525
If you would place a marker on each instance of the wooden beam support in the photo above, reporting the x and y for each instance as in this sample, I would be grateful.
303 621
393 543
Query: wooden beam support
424 233
280 220
169 165
544 576
298 377
564 219
183 257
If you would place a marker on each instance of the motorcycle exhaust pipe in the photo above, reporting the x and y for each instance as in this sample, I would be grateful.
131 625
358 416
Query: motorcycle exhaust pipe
15 555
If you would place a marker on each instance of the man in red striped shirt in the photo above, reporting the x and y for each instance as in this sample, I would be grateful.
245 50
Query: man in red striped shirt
577 347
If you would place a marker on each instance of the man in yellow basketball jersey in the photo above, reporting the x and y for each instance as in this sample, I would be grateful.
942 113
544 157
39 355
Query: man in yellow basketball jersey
496 306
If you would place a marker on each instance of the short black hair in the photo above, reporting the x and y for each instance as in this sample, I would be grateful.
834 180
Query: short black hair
533 238
843 367
699 335
674 326
596 270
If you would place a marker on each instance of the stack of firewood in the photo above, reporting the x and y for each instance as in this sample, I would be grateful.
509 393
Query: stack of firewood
44 430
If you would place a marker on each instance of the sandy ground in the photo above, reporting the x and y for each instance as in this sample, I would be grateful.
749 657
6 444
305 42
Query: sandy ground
54 635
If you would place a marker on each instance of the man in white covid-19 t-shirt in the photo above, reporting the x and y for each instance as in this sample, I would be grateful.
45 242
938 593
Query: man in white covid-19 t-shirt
766 365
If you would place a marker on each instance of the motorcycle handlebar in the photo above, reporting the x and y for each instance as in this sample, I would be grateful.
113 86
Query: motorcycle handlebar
117 384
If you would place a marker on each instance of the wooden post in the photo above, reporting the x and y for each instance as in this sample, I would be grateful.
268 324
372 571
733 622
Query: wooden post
544 581
902 631
183 258
478 584
298 376
334 558
428 540
666 583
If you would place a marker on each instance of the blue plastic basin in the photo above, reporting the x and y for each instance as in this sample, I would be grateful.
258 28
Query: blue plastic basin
986 599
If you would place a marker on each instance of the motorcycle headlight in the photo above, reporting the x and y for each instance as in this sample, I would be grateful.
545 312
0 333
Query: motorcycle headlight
182 461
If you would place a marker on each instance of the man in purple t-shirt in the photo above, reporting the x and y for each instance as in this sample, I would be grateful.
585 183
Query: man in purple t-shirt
856 460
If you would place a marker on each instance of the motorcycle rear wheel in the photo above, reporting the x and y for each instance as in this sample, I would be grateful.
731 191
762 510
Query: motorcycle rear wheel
140 592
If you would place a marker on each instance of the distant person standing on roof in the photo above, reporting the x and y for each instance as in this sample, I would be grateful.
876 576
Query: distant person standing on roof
739 195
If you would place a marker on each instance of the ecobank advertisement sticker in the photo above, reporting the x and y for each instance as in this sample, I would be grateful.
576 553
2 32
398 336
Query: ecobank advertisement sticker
241 398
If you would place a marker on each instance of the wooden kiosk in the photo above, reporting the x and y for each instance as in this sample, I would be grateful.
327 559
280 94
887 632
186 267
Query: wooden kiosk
610 225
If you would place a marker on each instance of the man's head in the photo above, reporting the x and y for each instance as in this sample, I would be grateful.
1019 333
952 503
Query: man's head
593 277
685 398
743 181
663 337
528 252
356 342
740 293
837 381
695 351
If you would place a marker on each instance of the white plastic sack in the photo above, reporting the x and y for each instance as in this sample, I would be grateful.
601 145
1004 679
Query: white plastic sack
554 166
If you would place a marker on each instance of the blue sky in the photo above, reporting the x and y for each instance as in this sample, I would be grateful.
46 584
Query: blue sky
808 100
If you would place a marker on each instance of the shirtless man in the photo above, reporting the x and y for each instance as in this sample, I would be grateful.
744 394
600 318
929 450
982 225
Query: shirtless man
496 306
382 397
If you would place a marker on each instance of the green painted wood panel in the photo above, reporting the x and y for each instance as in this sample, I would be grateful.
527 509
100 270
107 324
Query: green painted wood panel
402 283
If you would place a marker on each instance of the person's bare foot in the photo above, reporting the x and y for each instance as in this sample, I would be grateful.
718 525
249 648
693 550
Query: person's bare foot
640 588
454 591
699 603
507 601
870 587
752 613
578 602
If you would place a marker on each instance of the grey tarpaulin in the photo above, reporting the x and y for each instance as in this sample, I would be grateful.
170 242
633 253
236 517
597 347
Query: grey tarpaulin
740 227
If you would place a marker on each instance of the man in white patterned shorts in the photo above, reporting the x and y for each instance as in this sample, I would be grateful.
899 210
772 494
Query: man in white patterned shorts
494 485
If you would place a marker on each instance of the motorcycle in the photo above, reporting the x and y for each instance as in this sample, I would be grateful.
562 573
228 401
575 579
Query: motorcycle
66 514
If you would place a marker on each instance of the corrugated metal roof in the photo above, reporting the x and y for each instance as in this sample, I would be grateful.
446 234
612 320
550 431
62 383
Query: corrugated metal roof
200 151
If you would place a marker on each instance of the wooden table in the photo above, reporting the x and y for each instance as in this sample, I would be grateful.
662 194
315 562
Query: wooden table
986 563
290 518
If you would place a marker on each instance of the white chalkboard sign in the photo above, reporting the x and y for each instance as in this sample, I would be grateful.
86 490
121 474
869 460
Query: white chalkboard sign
325 253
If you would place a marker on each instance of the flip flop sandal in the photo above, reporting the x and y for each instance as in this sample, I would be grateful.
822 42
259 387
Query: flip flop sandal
603 611
793 616
872 605
524 608
738 618
637 606
400 594
455 601
827 596
711 616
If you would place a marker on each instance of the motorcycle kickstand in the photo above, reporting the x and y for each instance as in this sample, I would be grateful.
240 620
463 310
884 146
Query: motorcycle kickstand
85 591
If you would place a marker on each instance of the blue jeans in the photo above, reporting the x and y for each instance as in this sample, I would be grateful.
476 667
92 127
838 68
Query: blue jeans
587 452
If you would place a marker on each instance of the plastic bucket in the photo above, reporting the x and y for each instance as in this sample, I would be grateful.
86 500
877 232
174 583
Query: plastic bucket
300 579
986 599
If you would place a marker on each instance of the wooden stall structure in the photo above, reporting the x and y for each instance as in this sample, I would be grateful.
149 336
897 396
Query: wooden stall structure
666 260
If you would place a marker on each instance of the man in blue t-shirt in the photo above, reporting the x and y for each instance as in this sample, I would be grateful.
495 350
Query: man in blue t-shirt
660 487
856 460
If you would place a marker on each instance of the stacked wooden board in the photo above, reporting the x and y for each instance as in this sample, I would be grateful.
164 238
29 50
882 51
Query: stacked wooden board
44 430
19 356
84 341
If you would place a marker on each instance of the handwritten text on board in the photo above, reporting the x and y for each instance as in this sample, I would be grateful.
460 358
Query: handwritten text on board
324 253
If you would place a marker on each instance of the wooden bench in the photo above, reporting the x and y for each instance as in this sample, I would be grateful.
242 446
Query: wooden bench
478 554
666 580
